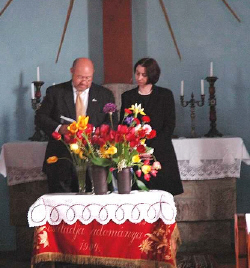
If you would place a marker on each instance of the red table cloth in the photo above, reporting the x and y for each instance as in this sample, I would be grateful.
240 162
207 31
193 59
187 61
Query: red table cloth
127 245
133 230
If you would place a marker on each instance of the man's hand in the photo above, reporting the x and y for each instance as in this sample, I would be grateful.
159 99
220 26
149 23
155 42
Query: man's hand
63 130
146 156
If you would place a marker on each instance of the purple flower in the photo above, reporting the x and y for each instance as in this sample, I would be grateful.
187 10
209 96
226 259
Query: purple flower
109 108
128 120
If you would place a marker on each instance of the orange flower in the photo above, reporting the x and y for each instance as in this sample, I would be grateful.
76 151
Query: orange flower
52 159
73 128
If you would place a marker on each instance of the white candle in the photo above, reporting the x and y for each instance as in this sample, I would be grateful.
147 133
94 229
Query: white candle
182 88
202 87
211 69
37 74
32 91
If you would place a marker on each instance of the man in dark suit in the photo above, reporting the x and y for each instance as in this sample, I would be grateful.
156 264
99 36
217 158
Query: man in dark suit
60 101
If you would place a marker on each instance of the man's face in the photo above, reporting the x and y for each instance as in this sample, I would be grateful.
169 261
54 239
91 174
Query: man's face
82 76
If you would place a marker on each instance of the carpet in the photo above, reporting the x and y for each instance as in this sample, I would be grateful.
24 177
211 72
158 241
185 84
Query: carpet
196 261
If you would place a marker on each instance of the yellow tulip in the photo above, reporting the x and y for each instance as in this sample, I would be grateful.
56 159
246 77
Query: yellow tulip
83 122
136 158
146 169
111 150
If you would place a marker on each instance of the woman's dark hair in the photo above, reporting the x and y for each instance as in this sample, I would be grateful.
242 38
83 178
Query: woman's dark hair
153 70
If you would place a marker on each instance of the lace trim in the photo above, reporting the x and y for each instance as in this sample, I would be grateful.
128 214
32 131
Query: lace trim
209 169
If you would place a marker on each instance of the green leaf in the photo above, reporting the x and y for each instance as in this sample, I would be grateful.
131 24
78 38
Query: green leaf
141 185
103 162
109 180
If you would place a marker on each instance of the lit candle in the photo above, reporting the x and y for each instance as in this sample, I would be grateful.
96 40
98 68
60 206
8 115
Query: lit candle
182 88
32 91
202 87
211 69
37 74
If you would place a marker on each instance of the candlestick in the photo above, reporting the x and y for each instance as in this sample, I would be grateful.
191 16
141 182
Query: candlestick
202 87
192 103
211 69
39 135
32 91
213 132
182 88
38 73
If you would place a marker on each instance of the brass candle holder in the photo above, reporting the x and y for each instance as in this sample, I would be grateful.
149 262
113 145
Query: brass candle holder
192 102
213 132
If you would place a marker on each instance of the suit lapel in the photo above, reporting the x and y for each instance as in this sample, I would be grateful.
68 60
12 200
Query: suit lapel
93 98
69 100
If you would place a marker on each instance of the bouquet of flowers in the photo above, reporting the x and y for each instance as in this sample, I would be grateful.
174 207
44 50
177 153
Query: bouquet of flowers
115 149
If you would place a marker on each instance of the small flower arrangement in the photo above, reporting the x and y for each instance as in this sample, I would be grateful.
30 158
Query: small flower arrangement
116 149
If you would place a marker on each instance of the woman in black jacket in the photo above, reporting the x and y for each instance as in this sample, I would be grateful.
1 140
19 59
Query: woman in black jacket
158 104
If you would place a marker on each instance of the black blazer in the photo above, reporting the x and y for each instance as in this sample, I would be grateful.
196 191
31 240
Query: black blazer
59 100
160 107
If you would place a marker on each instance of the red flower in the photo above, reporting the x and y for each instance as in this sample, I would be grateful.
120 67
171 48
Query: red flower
147 177
138 172
137 121
153 172
79 134
56 135
127 111
104 129
141 149
122 129
145 119
142 133
152 134
89 129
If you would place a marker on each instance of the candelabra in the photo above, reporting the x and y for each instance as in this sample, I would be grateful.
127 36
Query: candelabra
192 102
39 135
36 101
213 132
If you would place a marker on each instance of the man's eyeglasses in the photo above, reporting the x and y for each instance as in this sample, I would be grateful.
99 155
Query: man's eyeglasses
84 78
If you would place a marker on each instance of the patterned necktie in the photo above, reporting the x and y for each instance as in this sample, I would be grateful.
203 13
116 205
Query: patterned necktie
79 105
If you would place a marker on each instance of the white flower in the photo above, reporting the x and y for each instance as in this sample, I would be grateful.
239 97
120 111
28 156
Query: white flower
147 128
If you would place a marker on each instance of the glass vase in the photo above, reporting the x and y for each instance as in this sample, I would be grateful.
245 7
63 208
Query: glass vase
81 176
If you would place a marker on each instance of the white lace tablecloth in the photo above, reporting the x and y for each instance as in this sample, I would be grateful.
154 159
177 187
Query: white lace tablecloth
22 161
210 158
135 207
198 159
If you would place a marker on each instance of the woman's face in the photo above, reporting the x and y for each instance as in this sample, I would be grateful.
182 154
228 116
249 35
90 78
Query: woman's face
141 75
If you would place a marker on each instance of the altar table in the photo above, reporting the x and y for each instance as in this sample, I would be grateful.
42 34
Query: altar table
132 230
198 159
208 167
